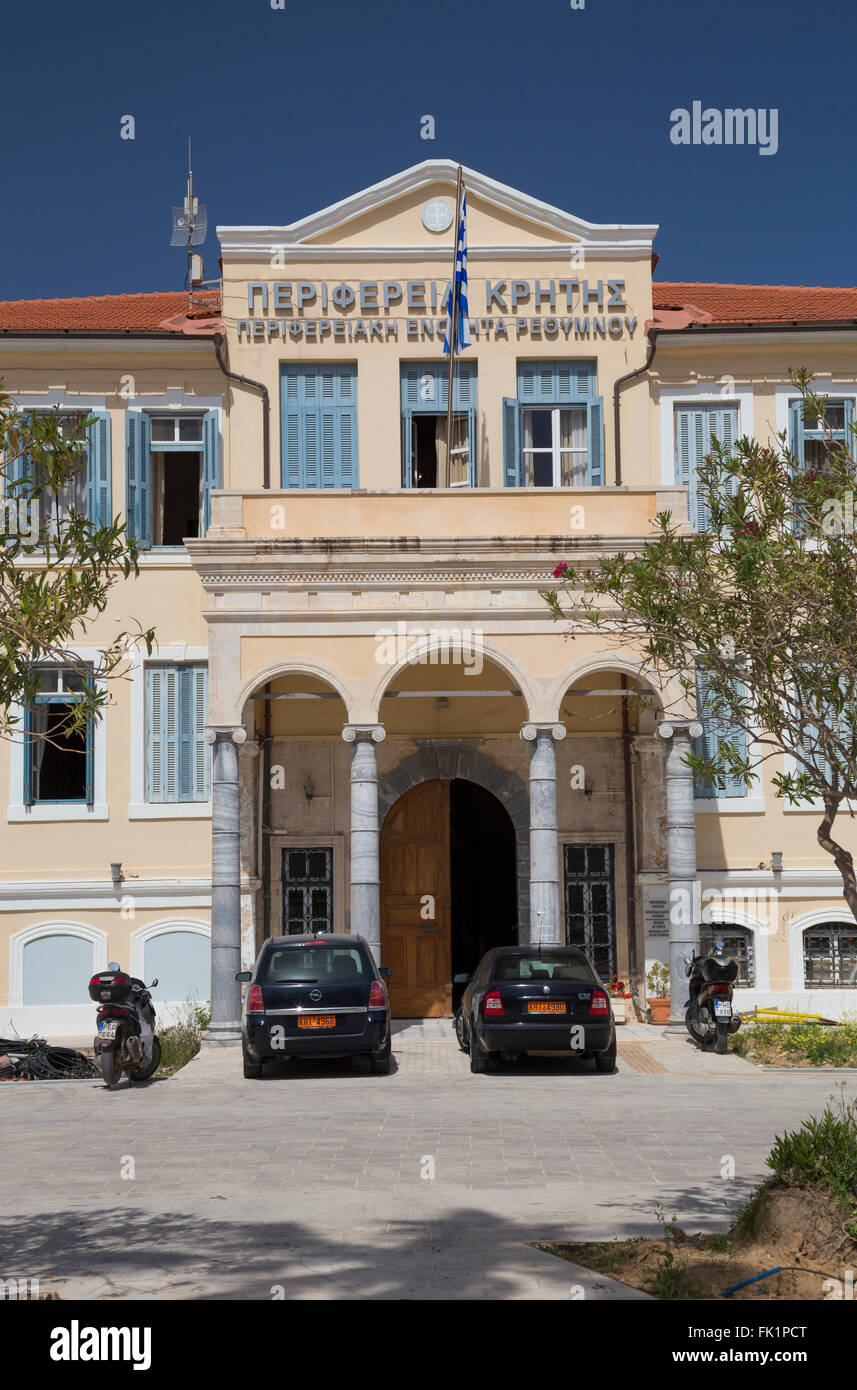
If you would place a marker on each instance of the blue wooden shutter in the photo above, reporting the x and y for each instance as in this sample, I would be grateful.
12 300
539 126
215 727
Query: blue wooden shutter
567 382
849 421
471 446
200 751
211 475
796 431
319 427
695 427
511 442
595 442
138 478
98 470
714 730
407 447
21 466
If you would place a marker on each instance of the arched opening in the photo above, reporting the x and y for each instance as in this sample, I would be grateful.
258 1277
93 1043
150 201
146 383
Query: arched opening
448 890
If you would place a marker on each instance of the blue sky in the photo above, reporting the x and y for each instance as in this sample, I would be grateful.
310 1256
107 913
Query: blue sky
292 109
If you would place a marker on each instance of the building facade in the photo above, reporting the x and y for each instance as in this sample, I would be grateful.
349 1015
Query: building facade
359 714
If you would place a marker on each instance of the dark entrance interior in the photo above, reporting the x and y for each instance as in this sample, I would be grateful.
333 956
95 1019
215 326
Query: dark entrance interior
482 877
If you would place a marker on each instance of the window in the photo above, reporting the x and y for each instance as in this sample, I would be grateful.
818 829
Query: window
737 943
319 426
716 728
86 491
696 427
314 963
553 433
830 956
590 910
808 435
181 963
172 465
425 399
307 891
56 968
546 965
57 759
178 760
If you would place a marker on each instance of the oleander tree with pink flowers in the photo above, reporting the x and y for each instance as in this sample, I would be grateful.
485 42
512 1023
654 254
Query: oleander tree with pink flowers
753 617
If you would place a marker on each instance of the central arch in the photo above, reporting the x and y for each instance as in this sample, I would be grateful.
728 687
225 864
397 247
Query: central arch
436 788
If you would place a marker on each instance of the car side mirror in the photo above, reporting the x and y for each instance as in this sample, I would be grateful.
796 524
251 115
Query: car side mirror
460 979
154 982
244 975
385 972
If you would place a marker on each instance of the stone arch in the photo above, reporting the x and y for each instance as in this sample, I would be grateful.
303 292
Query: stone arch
619 661
319 670
503 659
458 758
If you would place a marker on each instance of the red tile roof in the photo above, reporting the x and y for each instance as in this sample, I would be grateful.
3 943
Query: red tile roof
118 313
755 303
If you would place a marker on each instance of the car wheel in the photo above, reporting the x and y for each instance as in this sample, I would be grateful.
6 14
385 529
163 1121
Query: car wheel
606 1061
380 1061
461 1031
252 1070
478 1058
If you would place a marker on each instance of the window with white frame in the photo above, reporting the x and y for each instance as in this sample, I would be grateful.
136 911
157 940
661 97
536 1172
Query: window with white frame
830 956
553 432
737 945
56 967
178 760
58 756
85 491
810 434
172 464
696 427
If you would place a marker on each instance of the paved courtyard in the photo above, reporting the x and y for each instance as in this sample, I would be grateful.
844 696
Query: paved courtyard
322 1181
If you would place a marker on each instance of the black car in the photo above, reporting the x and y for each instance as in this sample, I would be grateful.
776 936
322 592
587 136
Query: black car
315 996
535 999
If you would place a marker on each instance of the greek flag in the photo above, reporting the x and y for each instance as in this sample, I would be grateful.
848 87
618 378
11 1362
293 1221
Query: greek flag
461 327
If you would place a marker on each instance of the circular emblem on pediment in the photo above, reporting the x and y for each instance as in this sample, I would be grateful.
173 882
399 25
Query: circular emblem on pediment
437 215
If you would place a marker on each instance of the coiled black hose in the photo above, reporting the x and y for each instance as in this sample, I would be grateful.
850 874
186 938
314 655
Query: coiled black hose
32 1059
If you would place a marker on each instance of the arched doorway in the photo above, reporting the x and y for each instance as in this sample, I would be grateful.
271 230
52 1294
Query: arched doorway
448 890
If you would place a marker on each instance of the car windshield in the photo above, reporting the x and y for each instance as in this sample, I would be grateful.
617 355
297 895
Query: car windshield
546 965
313 963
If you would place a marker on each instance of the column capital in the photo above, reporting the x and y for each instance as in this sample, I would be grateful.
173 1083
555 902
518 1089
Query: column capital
691 728
212 733
529 731
353 733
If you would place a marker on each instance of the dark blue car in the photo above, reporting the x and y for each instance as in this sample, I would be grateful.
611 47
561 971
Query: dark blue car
535 999
315 996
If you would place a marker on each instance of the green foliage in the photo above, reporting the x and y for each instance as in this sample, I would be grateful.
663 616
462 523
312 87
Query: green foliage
818 1046
56 571
658 981
181 1041
671 1278
823 1152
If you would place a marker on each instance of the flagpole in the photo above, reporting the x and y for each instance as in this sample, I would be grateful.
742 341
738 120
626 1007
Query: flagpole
453 322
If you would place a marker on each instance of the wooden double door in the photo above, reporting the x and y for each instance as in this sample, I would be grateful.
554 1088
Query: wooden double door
416 902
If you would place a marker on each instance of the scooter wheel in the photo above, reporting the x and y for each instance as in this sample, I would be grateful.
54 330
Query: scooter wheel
721 1042
110 1068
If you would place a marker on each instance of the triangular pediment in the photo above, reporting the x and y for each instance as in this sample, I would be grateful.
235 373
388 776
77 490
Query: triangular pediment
388 216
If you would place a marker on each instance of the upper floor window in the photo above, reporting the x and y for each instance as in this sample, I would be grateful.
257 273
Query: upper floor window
830 956
553 433
178 760
57 758
172 464
319 426
696 428
87 491
808 435
427 460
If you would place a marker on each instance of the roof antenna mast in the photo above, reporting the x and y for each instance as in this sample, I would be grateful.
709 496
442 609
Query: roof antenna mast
190 224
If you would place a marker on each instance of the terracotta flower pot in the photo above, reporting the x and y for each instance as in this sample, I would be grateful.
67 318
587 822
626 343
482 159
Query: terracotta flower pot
660 1010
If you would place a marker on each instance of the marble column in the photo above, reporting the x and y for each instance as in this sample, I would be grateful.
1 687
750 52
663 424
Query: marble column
365 833
681 858
546 916
225 1027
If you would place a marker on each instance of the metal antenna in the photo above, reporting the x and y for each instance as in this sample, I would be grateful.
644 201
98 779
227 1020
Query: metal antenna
190 224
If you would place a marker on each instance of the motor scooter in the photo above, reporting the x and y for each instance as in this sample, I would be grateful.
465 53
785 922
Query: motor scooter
126 1043
709 1017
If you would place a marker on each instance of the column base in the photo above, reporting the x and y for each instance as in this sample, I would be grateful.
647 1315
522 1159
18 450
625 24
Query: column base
675 1028
222 1035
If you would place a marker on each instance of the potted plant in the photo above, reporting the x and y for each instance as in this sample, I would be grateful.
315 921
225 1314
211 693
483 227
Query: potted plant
658 998
619 994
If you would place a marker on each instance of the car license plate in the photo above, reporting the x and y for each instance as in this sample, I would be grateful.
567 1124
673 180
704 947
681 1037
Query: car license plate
317 1021
108 1030
545 1007
722 1008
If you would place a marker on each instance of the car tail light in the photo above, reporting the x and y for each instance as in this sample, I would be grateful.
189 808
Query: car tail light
493 1004
377 997
254 1000
600 1003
